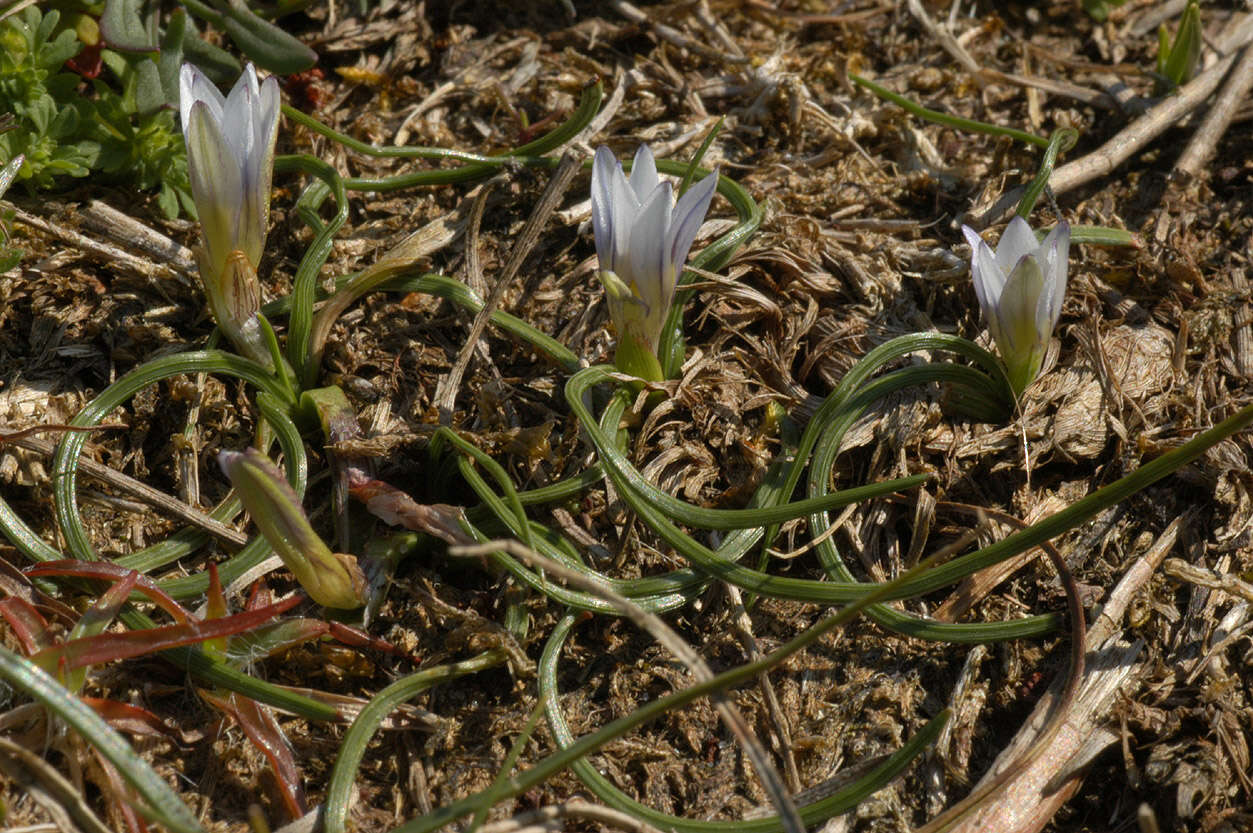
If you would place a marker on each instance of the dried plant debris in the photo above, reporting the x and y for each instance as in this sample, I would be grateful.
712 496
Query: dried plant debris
860 243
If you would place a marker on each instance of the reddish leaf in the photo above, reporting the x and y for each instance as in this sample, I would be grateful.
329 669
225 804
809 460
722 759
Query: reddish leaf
13 582
107 647
392 506
215 608
260 596
268 640
105 571
105 609
132 719
30 628
98 617
263 730
355 637
88 62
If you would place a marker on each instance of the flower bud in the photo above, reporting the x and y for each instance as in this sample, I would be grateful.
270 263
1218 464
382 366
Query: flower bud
331 579
1020 287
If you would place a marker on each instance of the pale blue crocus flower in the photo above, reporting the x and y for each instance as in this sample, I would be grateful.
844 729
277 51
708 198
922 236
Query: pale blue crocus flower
642 242
230 161
1020 287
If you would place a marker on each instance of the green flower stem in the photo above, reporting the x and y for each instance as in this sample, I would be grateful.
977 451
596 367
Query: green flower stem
458 293
356 739
64 463
945 119
479 166
161 804
447 435
656 594
65 473
825 453
872 362
273 414
604 789
783 587
304 286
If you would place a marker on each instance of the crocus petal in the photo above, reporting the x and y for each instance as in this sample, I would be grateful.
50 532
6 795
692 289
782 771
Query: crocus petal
1017 242
257 166
239 113
216 182
1055 251
605 218
642 241
988 277
1022 304
194 87
1016 311
644 174
688 215
649 256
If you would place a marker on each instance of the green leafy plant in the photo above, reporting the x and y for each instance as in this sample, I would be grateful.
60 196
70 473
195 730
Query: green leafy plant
52 130
126 55
284 382
1177 59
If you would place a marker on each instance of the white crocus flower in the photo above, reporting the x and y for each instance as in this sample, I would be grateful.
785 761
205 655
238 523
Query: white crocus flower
642 242
1020 287
230 161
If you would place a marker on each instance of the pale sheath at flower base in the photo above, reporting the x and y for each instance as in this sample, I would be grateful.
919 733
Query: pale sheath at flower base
1020 287
230 161
642 242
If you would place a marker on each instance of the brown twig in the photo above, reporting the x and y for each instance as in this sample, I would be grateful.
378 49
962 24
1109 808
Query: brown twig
55 795
946 40
1143 130
105 252
1105 159
1199 150
137 489
783 732
672 35
127 231
1043 765
1021 762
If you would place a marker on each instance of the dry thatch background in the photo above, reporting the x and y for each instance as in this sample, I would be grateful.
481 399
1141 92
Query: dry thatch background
860 243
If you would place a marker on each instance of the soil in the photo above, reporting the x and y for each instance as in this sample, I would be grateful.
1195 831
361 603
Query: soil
861 242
